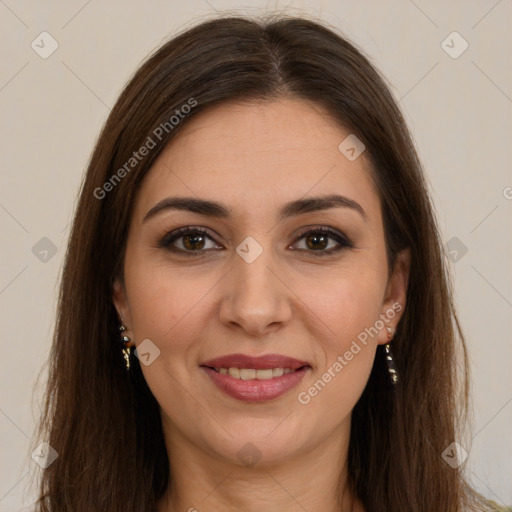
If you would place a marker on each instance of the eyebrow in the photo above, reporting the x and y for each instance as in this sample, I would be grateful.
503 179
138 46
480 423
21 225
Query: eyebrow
218 210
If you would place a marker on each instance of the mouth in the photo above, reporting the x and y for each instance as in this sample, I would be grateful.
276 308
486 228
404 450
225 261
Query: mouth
255 379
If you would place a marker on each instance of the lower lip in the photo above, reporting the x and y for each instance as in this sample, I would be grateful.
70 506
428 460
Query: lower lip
255 390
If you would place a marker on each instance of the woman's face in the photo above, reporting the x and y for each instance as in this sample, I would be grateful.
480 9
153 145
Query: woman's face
278 272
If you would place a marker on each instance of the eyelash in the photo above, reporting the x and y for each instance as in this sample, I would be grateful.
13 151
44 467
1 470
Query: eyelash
342 240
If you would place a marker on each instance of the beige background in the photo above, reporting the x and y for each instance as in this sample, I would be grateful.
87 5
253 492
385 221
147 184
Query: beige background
459 110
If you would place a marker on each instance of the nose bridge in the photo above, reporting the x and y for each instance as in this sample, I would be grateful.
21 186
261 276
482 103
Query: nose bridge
255 297
254 277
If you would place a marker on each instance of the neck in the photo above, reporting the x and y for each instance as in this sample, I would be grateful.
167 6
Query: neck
313 480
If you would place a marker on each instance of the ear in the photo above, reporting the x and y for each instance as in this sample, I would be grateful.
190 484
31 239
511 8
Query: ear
393 306
121 304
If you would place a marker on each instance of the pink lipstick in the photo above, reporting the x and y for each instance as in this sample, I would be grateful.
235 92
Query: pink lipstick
255 378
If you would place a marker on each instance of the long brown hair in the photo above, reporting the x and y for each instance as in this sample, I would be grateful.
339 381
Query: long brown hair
105 423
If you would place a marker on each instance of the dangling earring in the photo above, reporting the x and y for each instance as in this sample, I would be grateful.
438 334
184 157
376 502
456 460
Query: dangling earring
389 358
126 344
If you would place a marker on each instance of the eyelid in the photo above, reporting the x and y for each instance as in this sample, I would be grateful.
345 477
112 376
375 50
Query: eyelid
339 237
325 229
175 234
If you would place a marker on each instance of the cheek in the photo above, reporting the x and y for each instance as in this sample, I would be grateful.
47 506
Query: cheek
337 384
165 301
169 307
347 303
349 310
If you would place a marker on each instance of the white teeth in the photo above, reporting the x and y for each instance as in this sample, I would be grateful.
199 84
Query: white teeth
234 372
264 374
251 373
246 374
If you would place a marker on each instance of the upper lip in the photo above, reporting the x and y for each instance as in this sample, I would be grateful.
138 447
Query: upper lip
257 362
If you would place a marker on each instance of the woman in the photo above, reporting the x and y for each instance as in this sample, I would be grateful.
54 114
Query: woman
255 223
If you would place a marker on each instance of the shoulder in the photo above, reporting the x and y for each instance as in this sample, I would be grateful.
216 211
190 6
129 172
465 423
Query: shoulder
498 508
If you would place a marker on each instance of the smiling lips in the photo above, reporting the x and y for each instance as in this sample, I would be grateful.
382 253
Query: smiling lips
255 379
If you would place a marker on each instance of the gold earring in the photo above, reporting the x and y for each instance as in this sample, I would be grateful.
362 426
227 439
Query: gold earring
126 344
389 358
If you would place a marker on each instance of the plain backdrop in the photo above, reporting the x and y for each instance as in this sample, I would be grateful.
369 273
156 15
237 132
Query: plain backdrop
457 101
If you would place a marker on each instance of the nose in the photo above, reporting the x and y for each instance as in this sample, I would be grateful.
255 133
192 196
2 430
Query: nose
255 298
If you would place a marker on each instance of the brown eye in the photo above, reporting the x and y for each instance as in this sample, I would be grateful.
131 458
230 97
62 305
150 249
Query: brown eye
317 241
193 242
187 240
323 241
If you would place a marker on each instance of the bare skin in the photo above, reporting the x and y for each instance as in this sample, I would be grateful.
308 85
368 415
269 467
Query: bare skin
254 158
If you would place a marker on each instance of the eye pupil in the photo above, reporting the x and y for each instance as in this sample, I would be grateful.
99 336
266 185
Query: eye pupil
193 240
316 245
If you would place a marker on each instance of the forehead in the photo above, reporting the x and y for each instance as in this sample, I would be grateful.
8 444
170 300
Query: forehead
256 156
